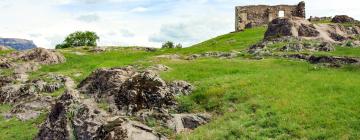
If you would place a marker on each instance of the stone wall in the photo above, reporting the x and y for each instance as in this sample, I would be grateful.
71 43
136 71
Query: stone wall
255 15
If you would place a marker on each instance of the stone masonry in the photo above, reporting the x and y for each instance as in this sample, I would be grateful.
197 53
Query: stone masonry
256 15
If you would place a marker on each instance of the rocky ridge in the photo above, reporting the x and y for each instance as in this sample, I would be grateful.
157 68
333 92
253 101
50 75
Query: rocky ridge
130 93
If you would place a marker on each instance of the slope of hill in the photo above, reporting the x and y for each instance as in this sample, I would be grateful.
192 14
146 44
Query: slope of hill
248 97
18 44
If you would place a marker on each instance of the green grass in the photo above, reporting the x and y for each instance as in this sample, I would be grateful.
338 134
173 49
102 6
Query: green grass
14 129
271 99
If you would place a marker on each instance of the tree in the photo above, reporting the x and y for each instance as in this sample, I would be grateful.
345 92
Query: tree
168 45
76 39
178 46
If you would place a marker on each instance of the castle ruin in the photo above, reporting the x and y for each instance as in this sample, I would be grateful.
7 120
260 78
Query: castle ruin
255 15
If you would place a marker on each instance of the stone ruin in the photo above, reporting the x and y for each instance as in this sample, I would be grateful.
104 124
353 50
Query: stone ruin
255 15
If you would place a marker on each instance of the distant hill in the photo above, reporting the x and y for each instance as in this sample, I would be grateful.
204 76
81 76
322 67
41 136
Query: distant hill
18 44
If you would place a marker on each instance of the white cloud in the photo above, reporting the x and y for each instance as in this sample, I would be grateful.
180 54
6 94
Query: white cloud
137 22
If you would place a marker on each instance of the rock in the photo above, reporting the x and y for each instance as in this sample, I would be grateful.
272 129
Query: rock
342 19
105 82
144 90
158 68
193 56
181 87
6 63
332 60
31 109
170 56
123 129
4 80
259 49
325 46
56 126
4 48
97 49
87 120
308 30
17 92
183 122
42 56
297 47
18 44
301 28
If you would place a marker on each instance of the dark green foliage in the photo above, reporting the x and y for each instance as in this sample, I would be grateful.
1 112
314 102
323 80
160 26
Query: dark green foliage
168 45
178 46
77 39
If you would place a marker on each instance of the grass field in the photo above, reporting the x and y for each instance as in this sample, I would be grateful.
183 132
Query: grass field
250 99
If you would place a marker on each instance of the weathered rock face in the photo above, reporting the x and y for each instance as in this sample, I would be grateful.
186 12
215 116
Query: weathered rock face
342 19
145 90
18 44
184 122
290 27
223 55
298 27
56 126
181 88
42 56
106 82
333 61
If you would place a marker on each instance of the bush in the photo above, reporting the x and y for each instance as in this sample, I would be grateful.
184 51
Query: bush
178 46
78 39
168 45
171 45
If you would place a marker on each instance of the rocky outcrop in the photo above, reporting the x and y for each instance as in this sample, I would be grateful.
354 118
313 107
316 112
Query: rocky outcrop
42 56
181 87
106 82
18 44
298 27
57 124
73 117
186 122
342 19
145 90
223 55
333 61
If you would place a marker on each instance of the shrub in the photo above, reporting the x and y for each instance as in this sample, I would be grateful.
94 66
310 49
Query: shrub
168 45
77 39
178 46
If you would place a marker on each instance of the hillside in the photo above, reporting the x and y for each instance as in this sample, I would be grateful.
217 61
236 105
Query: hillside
248 96
17 44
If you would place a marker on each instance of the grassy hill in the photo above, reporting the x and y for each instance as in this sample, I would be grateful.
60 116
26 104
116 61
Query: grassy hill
272 98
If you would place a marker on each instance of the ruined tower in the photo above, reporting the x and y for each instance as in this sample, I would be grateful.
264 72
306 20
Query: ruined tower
256 15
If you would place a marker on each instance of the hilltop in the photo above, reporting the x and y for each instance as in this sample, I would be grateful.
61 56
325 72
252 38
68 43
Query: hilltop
18 44
235 86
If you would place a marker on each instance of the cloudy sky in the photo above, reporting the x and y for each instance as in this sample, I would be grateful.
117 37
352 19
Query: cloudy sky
137 22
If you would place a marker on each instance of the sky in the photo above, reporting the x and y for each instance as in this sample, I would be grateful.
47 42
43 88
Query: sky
146 23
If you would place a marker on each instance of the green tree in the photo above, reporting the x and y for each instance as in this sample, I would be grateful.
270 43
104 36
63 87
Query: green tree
168 45
178 46
76 39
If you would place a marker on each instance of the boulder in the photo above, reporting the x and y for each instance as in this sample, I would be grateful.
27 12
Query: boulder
181 87
145 90
123 129
56 126
326 47
342 19
184 122
105 82
301 28
41 55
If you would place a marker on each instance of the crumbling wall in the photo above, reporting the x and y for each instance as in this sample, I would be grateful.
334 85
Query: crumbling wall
255 15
